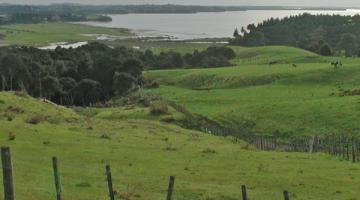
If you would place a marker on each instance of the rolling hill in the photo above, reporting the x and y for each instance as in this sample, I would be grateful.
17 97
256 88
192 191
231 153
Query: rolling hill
144 151
277 90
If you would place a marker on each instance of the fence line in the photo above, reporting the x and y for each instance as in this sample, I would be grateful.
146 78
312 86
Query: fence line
345 147
9 190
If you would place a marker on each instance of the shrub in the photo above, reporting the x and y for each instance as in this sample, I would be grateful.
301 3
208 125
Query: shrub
21 93
14 109
169 119
209 151
11 136
9 116
352 92
325 50
149 83
158 108
35 119
170 149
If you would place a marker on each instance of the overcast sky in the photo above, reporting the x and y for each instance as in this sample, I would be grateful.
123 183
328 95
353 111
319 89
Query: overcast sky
341 3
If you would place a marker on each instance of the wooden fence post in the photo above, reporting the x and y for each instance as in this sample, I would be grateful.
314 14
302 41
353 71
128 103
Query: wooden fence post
170 188
286 195
244 193
7 174
57 178
353 149
110 183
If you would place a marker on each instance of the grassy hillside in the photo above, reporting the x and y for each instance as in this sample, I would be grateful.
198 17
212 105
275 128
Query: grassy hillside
143 152
43 34
298 95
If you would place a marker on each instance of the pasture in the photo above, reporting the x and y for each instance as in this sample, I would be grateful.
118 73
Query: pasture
46 33
143 152
300 94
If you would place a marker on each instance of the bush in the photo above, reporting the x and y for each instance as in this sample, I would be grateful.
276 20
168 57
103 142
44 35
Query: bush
11 136
149 83
325 50
16 110
159 107
170 149
209 151
211 57
352 92
21 93
9 116
35 119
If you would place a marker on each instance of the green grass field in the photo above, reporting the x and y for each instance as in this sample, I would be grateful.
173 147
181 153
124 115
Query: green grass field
144 152
46 33
275 99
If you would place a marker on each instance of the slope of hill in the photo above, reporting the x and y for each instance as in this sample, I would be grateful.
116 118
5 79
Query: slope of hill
271 90
143 152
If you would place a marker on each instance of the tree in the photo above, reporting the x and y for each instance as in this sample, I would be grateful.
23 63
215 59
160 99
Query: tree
123 83
81 75
325 50
243 31
133 67
67 86
236 33
85 64
349 44
341 33
14 71
226 52
169 59
87 92
50 86
255 38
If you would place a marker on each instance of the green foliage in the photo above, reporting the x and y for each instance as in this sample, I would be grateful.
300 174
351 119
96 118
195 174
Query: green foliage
91 12
49 86
210 57
85 75
349 43
159 107
305 31
41 17
236 33
325 50
123 83
88 92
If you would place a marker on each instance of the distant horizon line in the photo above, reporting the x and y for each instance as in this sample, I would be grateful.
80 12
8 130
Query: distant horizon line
161 4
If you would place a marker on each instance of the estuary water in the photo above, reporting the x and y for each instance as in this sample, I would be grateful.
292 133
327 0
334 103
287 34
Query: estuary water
201 25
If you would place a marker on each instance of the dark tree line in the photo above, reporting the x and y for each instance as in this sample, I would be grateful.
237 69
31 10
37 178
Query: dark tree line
90 74
82 76
40 17
211 57
145 8
324 34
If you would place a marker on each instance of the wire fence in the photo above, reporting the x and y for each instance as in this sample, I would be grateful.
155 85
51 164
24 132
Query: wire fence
342 146
54 190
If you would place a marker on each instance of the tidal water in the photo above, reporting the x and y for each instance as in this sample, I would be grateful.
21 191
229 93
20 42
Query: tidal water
201 25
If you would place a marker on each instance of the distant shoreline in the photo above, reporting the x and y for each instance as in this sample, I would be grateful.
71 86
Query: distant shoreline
149 8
